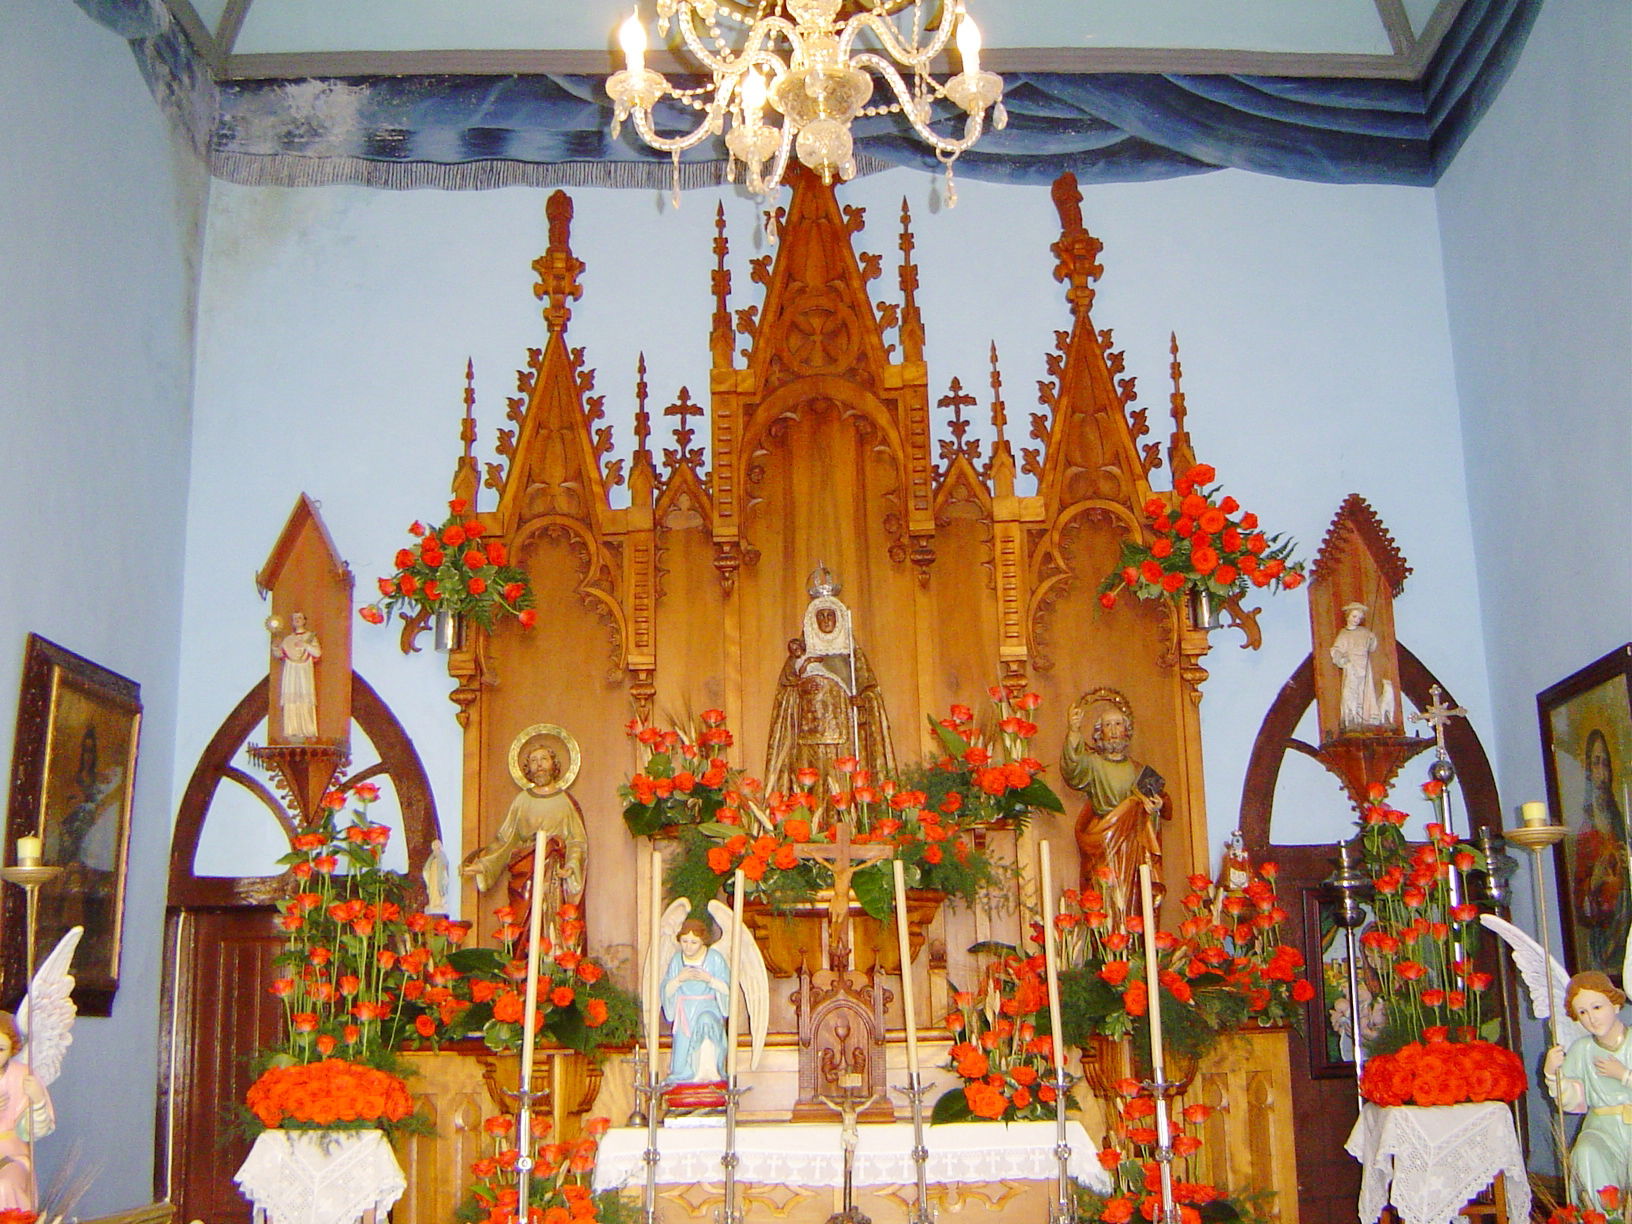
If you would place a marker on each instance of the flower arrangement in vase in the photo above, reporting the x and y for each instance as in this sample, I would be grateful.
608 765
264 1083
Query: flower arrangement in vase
483 990
1003 1051
452 569
1200 540
1136 1179
1428 1049
559 1189
362 975
1224 966
724 820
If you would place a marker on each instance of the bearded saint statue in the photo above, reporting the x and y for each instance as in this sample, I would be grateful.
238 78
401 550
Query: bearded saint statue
827 704
1120 824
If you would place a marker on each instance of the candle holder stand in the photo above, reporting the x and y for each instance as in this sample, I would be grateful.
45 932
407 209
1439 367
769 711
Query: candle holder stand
643 1090
914 1090
1536 838
1063 1209
1161 1088
728 1212
1353 890
523 1096
647 1089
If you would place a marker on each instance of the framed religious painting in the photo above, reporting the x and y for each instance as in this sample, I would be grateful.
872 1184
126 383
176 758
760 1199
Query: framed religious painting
1586 737
73 774
1327 1015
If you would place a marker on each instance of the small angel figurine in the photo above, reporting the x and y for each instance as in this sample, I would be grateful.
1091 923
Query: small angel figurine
25 1115
47 1019
690 986
1589 1069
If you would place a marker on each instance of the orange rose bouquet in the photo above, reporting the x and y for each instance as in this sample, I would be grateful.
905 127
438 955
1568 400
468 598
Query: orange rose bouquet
452 569
1200 539
330 1095
559 1189
1136 1179
1224 966
1003 1051
987 770
684 779
1611 1209
1438 1071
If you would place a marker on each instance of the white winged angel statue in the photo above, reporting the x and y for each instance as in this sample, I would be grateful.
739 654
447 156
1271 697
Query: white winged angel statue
692 984
32 1046
1588 1070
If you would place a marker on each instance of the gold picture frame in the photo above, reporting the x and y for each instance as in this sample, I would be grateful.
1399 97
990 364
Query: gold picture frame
73 777
1586 736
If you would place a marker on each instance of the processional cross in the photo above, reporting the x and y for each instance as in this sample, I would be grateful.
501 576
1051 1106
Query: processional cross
1436 714
844 859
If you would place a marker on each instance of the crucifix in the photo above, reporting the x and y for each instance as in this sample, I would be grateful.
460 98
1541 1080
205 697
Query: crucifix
843 858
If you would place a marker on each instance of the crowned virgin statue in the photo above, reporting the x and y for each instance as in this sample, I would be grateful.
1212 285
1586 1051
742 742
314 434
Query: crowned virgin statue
827 705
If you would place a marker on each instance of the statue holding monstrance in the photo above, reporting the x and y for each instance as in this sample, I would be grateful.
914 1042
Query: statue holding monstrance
827 706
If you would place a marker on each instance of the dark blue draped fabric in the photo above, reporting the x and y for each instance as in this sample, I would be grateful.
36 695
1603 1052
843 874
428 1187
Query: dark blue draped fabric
478 131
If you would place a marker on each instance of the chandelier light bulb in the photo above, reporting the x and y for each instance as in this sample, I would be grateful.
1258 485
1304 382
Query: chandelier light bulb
969 44
754 92
632 38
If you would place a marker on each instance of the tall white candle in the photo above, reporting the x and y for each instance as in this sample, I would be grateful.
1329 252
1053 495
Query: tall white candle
903 935
734 1015
655 955
535 936
1147 907
1051 954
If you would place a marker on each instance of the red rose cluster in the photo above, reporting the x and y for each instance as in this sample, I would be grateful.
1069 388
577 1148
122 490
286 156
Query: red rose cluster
1438 1071
1201 539
328 1094
452 569
1007 1067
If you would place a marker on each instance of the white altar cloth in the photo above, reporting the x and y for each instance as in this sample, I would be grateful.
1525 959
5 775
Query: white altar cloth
808 1154
1430 1160
321 1177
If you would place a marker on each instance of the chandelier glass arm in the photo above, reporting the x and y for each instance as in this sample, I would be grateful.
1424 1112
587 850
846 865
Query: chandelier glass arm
916 108
752 50
891 38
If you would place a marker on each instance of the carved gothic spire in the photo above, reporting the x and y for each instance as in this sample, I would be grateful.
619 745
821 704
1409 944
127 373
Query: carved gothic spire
1181 456
912 323
720 333
557 270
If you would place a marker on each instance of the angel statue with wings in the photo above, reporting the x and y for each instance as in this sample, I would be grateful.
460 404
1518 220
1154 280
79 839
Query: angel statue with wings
42 1030
692 987
1589 1068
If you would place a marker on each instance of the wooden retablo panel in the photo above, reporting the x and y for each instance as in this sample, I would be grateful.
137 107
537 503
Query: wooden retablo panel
820 447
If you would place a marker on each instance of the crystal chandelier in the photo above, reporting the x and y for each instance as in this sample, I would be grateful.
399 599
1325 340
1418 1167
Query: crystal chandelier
789 76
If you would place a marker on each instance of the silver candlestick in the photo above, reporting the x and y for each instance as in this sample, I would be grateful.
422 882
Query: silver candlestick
914 1090
1063 1208
728 1212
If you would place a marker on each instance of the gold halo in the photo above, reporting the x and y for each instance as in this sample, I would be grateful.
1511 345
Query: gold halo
569 769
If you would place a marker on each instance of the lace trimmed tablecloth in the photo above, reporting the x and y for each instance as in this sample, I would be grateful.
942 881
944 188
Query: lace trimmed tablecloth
1430 1160
808 1154
321 1177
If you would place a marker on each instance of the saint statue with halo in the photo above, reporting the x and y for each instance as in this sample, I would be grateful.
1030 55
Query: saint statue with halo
544 761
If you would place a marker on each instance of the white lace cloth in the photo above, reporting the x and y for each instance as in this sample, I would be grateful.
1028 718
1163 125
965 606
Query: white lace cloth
321 1177
1430 1160
808 1154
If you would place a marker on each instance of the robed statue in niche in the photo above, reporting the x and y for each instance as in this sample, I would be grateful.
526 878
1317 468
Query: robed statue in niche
827 704
1120 825
1365 701
543 760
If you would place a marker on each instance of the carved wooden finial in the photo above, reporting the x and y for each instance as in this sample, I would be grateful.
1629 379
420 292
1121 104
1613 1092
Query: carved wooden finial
684 453
1000 470
557 269
969 448
643 417
912 323
467 428
1181 455
721 331
1000 412
1077 251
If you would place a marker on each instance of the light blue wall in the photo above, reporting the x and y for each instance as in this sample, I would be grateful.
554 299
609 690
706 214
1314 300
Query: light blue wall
98 250
1536 221
336 325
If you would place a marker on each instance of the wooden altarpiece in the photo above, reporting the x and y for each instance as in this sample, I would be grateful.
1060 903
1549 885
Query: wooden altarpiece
821 448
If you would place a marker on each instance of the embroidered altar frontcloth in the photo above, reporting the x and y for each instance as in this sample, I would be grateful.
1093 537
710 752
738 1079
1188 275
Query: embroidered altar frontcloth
321 1177
1430 1160
809 1154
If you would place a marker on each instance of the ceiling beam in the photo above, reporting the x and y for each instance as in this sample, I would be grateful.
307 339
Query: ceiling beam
296 65
232 23
1397 23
